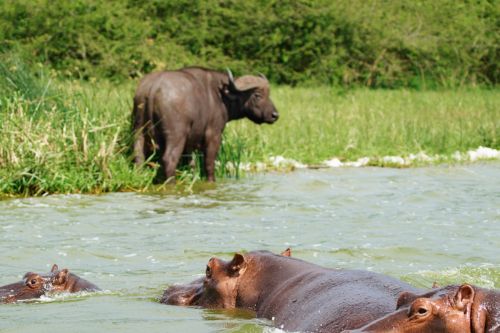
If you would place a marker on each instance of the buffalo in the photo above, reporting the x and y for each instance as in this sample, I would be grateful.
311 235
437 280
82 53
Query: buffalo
181 111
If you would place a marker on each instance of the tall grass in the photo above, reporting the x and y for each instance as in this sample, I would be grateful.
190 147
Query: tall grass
321 122
74 136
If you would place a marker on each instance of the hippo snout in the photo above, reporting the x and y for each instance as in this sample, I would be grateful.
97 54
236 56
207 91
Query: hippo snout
183 294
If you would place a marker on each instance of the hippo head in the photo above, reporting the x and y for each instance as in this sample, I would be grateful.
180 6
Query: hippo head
218 289
32 286
58 278
253 94
452 309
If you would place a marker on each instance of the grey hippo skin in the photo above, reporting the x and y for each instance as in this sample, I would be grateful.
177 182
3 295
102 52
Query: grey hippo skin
451 309
294 294
178 112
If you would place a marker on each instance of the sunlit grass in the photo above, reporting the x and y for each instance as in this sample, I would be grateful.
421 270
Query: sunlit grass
319 123
75 137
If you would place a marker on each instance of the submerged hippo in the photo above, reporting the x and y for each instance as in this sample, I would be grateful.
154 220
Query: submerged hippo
451 309
64 281
32 286
36 285
294 294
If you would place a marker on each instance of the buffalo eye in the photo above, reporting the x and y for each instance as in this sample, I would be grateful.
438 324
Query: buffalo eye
208 272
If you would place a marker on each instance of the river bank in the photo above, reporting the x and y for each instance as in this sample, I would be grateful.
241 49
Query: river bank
75 137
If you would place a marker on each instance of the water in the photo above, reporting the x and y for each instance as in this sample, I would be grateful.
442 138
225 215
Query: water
421 225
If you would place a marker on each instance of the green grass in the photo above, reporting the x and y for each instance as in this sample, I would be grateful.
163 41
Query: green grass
74 136
319 123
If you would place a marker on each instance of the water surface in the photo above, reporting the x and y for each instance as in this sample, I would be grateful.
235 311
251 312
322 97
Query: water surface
421 225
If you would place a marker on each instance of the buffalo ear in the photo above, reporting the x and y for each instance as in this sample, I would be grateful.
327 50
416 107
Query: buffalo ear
55 268
464 297
287 253
404 298
61 276
237 265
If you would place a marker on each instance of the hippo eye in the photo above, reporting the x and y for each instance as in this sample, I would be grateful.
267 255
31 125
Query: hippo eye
422 311
208 272
33 281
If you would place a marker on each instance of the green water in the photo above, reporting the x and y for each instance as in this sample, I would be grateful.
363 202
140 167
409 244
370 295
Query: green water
421 225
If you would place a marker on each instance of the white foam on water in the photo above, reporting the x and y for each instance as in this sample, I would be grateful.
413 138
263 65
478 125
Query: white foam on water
268 329
363 161
481 153
281 162
333 163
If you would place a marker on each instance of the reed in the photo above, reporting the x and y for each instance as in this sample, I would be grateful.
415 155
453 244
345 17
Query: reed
321 122
75 137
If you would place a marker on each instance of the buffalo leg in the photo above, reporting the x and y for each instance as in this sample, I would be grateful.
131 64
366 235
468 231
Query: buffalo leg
171 156
211 150
138 149
138 130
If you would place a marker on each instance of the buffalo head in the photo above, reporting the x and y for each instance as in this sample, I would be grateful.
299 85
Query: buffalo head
252 93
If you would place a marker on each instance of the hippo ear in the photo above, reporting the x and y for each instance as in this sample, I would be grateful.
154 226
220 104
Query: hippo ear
55 268
237 265
287 253
61 277
464 297
404 298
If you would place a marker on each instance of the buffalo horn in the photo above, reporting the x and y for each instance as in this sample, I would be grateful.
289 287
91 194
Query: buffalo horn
232 86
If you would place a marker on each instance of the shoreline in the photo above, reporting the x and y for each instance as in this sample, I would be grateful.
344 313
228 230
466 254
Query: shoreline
283 164
420 159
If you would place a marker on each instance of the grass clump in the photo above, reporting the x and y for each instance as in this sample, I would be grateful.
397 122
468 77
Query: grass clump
57 140
75 136
319 123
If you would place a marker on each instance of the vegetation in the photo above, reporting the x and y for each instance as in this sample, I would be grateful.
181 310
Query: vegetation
68 70
74 136
374 43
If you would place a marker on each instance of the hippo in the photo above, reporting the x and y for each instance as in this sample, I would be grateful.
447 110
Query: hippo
450 309
32 286
35 285
294 294
64 281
